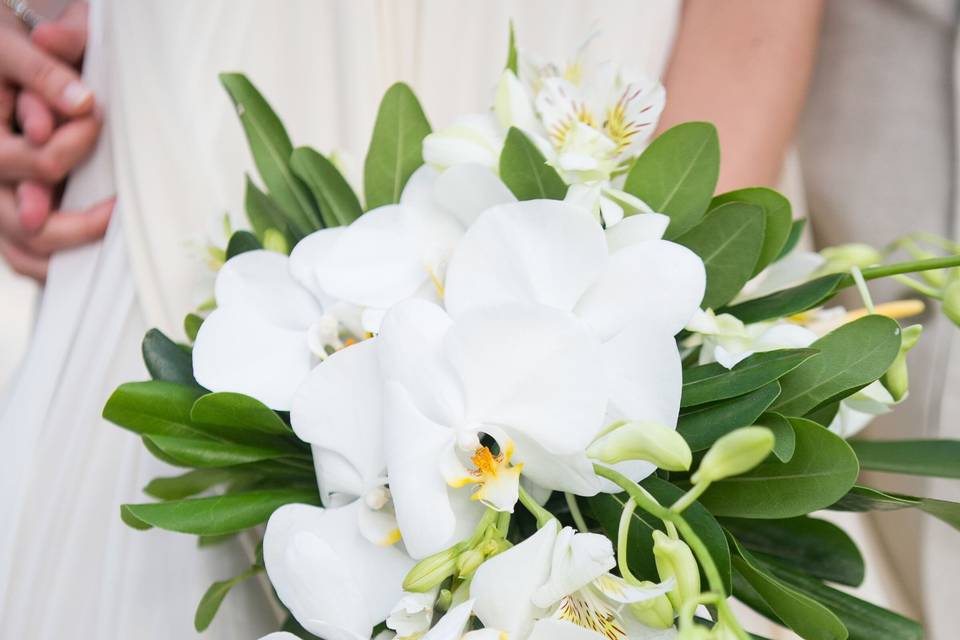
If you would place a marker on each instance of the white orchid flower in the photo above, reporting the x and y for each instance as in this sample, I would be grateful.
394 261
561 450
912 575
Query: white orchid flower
633 290
471 404
400 251
273 323
556 585
452 625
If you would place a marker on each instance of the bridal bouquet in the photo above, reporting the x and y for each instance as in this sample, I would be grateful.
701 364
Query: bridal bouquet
541 383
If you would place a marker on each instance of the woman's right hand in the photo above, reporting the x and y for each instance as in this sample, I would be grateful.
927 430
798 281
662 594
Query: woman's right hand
58 127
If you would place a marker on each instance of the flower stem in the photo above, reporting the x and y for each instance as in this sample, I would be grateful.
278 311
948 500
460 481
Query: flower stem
542 515
689 497
623 536
575 512
918 286
862 288
912 266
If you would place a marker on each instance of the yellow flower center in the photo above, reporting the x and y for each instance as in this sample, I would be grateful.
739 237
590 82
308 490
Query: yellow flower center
585 610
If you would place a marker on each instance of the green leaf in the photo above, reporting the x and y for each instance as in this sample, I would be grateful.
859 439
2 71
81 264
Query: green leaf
131 520
339 205
863 620
808 618
213 598
787 301
785 442
219 515
816 547
241 242
937 458
796 231
238 411
512 52
702 425
777 215
729 240
526 172
154 408
851 357
196 452
265 214
191 326
396 148
187 484
821 471
861 498
271 149
712 382
606 509
166 360
677 173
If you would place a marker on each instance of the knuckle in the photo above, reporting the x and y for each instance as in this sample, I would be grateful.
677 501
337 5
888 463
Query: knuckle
43 71
50 168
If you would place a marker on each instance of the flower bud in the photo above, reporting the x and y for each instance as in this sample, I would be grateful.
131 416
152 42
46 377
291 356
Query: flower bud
273 240
951 301
468 561
433 570
648 441
842 258
735 453
695 632
896 379
675 560
656 613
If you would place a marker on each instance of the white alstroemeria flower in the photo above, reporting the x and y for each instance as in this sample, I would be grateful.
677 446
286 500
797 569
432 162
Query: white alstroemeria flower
859 410
607 204
412 615
795 268
400 251
472 403
556 585
451 627
273 323
633 290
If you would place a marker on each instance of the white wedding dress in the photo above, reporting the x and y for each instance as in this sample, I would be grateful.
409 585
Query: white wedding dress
173 152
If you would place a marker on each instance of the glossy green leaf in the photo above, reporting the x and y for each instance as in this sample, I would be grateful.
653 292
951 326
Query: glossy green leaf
213 598
219 515
396 147
187 484
788 301
166 360
712 382
785 442
793 238
823 468
241 242
729 240
937 458
808 618
238 411
271 148
703 424
526 172
777 214
196 452
861 498
264 214
851 357
863 620
131 520
512 51
816 547
677 174
154 408
607 508
339 205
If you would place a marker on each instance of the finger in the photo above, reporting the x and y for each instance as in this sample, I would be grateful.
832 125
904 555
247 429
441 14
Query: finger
32 68
9 225
35 117
24 262
66 37
71 229
34 201
70 143
8 98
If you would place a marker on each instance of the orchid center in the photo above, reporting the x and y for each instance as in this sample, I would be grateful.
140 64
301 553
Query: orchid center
585 609
484 463
326 336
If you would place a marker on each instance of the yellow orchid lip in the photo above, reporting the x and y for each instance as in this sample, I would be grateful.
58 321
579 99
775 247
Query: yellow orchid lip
497 478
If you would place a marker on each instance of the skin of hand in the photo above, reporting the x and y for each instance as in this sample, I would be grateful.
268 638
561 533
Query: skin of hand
58 128
744 65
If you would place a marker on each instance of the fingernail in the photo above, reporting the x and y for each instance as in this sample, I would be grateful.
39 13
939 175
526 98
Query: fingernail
75 94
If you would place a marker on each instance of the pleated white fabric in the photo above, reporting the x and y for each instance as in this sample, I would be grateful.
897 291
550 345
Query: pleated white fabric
174 154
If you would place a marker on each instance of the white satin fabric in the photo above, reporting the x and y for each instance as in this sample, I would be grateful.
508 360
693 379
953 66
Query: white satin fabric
174 154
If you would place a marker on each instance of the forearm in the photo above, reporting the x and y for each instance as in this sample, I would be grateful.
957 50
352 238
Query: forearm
744 65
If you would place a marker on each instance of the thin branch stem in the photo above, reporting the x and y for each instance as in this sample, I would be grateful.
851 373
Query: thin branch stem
542 515
575 512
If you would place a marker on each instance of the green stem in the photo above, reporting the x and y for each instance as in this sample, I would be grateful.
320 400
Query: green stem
919 287
689 497
912 266
623 537
542 515
862 288
575 512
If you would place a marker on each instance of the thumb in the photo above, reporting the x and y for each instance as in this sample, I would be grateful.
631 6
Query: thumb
65 37
26 65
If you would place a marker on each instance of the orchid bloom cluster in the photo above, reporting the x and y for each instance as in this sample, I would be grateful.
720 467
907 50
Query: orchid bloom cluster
588 118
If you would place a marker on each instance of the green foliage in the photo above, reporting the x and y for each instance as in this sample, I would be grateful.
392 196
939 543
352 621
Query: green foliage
238 411
729 240
241 242
787 302
213 598
677 174
204 452
511 51
867 499
339 205
712 382
821 471
777 214
786 439
191 327
167 360
186 484
396 147
154 408
793 237
526 172
937 458
704 424
265 214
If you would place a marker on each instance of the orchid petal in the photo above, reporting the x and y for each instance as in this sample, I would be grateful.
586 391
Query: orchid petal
578 560
259 282
378 526
534 251
643 376
504 585
658 281
334 582
474 138
572 472
467 190
636 228
452 624
308 254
